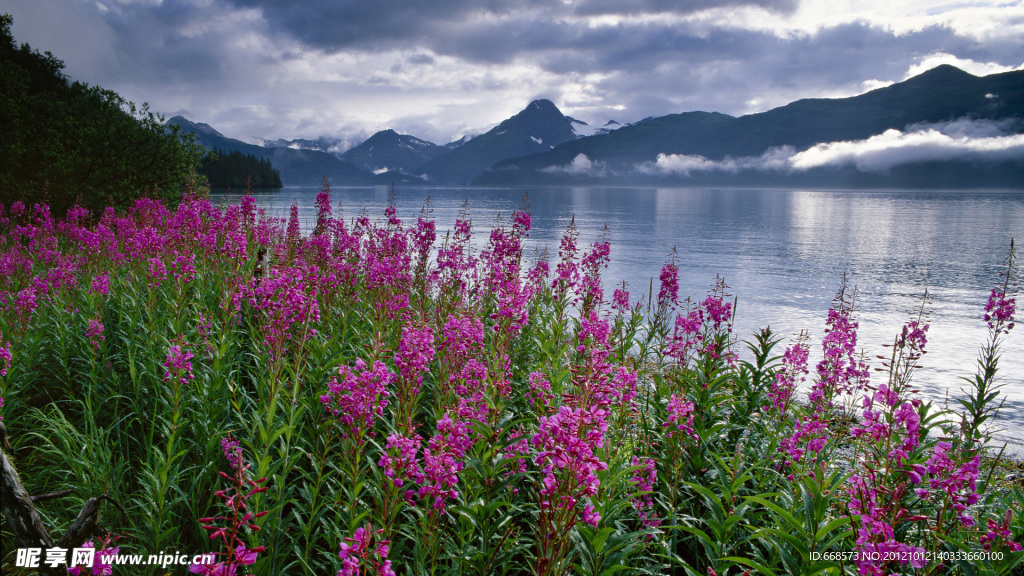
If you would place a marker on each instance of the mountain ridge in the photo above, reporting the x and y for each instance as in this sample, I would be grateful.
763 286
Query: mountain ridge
542 146
297 167
389 150
942 94
539 126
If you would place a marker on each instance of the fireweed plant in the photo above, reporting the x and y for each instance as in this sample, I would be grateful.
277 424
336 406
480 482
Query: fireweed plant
376 398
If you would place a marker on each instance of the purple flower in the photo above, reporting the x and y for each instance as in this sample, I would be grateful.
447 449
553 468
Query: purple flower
287 297
589 289
839 371
789 377
102 560
680 418
415 351
809 435
956 484
644 479
620 300
5 356
178 365
232 452
999 534
357 397
100 284
999 312
566 271
399 460
94 332
157 272
442 462
565 443
360 552
668 294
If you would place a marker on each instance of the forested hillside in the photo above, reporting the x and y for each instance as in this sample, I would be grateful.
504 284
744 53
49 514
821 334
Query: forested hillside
235 169
67 143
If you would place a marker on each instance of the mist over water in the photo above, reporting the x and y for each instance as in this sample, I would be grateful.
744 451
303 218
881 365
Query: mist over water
783 253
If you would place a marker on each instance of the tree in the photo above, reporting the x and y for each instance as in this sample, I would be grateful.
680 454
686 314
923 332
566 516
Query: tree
235 170
68 143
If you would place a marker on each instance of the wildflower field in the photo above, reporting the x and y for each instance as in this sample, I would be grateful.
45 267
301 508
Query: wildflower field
378 398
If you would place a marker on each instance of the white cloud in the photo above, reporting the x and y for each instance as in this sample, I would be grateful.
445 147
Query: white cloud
874 84
966 64
581 165
893 148
684 164
959 140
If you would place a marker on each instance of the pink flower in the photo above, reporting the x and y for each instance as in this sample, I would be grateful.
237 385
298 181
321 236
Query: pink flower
178 365
442 461
399 460
415 351
100 284
360 552
357 397
5 357
232 452
565 442
644 479
238 517
680 418
94 332
789 377
839 371
620 300
999 311
999 534
668 294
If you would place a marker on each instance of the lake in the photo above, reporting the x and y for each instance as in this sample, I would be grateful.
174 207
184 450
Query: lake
782 252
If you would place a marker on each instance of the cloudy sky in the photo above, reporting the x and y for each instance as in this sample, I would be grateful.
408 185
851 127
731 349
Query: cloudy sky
440 69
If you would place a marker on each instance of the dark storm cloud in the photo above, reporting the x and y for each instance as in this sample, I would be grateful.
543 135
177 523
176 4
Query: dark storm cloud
664 70
144 43
326 67
335 25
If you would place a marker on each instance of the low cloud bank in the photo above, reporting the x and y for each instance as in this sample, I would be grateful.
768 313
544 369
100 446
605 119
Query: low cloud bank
775 159
581 165
959 140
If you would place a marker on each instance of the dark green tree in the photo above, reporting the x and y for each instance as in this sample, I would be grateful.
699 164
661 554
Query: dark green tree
68 143
236 170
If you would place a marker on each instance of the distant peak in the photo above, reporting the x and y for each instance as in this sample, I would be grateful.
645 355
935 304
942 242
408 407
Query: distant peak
542 108
194 126
945 71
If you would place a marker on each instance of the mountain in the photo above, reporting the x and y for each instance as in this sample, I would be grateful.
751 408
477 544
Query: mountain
389 150
297 167
323 144
458 143
582 129
712 147
540 126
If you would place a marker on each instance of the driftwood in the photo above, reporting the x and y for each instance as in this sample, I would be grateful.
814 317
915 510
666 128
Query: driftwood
51 496
22 519
24 522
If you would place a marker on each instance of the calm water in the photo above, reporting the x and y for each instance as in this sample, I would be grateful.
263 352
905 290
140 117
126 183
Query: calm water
782 252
